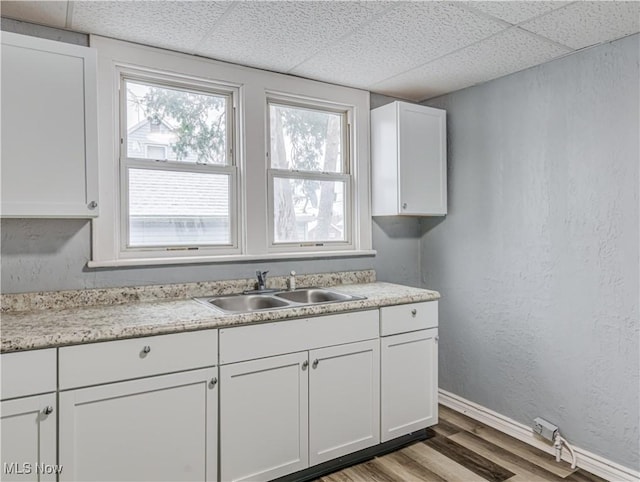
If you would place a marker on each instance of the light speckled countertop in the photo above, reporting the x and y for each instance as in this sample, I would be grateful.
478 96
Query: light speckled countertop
26 330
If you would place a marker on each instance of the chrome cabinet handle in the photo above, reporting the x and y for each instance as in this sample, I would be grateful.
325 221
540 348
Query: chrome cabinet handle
414 312
404 205
305 364
48 410
315 363
92 205
213 382
146 349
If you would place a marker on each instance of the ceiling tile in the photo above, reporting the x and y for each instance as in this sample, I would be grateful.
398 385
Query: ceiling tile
411 49
168 24
280 35
409 35
53 14
582 24
514 12
502 54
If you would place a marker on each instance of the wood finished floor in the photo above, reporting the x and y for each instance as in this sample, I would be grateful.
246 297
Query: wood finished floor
463 450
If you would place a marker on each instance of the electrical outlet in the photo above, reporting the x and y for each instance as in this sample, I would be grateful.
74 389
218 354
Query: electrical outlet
545 429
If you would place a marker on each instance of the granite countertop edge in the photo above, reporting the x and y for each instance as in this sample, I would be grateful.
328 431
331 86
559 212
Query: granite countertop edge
23 331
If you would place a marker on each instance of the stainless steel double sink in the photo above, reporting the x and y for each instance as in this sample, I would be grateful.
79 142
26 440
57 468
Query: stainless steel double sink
260 301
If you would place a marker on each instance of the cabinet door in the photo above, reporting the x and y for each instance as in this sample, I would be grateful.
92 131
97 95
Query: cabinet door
263 418
344 400
409 383
49 128
28 427
422 154
157 428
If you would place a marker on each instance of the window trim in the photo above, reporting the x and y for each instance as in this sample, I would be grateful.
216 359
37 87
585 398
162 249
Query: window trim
251 86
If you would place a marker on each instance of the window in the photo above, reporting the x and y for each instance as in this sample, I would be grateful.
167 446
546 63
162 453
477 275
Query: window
183 173
156 152
309 177
177 167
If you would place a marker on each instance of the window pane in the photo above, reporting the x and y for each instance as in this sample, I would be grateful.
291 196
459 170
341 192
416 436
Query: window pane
157 152
305 140
172 208
308 210
190 126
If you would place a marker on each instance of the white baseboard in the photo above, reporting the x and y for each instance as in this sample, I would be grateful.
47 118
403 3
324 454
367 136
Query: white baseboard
586 460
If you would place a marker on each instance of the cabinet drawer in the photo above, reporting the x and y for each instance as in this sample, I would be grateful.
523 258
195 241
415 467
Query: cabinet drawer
112 361
28 373
410 317
269 339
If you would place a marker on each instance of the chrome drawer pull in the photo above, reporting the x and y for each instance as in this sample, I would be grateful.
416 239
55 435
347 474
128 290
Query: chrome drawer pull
146 349
414 312
48 410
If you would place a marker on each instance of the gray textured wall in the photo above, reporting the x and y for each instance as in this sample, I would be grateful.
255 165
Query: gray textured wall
538 259
47 255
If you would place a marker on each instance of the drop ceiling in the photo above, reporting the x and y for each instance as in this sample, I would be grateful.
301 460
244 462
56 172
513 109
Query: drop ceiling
412 50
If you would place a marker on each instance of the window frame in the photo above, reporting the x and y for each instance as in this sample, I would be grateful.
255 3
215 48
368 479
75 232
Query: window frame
250 87
344 175
125 163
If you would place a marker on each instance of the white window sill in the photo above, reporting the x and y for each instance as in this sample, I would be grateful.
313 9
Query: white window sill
228 258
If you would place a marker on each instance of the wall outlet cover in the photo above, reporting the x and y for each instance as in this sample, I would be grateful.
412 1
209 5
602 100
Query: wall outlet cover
545 429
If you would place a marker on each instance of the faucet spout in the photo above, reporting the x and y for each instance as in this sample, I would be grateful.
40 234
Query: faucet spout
262 279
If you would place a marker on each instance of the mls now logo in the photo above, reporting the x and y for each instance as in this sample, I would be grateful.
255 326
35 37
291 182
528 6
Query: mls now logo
15 468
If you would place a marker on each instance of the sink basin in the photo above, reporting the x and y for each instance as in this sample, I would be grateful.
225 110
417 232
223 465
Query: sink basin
247 303
244 303
313 295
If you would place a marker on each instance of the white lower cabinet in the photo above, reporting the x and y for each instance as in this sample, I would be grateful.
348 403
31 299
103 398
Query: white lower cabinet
263 418
28 414
156 428
291 395
308 404
409 382
28 427
284 413
344 401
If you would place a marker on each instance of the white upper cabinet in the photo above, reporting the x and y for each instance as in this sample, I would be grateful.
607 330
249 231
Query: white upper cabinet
409 158
49 129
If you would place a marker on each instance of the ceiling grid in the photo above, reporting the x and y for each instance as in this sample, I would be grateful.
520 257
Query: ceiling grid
412 50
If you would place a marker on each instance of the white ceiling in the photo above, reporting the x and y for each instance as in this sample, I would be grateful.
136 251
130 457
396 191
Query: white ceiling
413 50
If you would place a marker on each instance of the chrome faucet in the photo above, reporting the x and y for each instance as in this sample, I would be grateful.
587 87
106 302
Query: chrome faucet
262 279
